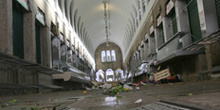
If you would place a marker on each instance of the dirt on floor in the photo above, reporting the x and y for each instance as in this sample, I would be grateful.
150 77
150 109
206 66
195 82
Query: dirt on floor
203 94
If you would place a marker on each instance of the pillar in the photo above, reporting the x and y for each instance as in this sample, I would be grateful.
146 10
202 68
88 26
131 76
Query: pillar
6 26
29 37
152 44
157 40
46 46
182 19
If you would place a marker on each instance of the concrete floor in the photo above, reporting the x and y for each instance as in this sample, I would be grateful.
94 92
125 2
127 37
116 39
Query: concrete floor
198 94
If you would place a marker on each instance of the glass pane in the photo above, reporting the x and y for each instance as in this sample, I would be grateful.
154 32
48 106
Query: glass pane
108 56
113 55
103 56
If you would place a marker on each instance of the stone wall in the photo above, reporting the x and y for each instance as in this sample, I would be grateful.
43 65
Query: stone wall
213 55
106 65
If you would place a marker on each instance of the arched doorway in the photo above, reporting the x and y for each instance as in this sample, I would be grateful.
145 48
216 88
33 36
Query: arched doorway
110 75
100 76
119 74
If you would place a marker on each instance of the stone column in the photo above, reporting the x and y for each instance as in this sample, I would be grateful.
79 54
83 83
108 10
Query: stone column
29 37
46 46
6 26
71 48
182 19
152 44
143 57
157 40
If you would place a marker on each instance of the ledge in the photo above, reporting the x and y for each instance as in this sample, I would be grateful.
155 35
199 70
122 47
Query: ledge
13 60
212 38
212 70
179 53
181 34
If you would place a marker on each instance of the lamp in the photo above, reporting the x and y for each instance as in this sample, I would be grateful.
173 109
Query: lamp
106 22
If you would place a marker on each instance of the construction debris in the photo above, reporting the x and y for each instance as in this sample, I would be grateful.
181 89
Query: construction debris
138 101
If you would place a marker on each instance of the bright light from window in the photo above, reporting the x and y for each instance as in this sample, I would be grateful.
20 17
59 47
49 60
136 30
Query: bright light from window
113 55
103 56
108 56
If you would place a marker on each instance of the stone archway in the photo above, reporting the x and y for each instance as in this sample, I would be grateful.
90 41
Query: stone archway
119 74
110 76
100 76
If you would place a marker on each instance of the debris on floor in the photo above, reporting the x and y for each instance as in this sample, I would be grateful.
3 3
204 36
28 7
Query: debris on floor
85 92
110 99
95 83
88 89
147 97
13 101
138 101
106 86
119 97
115 90
190 94
127 86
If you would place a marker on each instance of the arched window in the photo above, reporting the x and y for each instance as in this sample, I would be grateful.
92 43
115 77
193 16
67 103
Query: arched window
143 5
139 9
108 56
136 20
75 18
103 56
113 55
60 4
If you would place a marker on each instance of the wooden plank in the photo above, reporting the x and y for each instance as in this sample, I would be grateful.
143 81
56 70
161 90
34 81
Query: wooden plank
162 74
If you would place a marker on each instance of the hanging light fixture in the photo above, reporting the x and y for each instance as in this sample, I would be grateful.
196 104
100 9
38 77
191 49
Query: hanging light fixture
106 22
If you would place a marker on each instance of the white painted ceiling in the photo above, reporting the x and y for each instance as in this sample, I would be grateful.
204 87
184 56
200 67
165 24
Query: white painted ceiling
90 23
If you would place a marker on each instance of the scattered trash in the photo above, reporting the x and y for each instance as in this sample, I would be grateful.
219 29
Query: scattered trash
94 83
143 84
110 99
119 97
114 90
138 84
23 108
84 92
93 87
106 86
137 87
127 86
138 101
190 94
13 101
4 105
107 92
121 83
130 84
127 89
88 89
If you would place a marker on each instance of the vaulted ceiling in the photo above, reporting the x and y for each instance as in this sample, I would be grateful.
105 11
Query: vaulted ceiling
87 17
